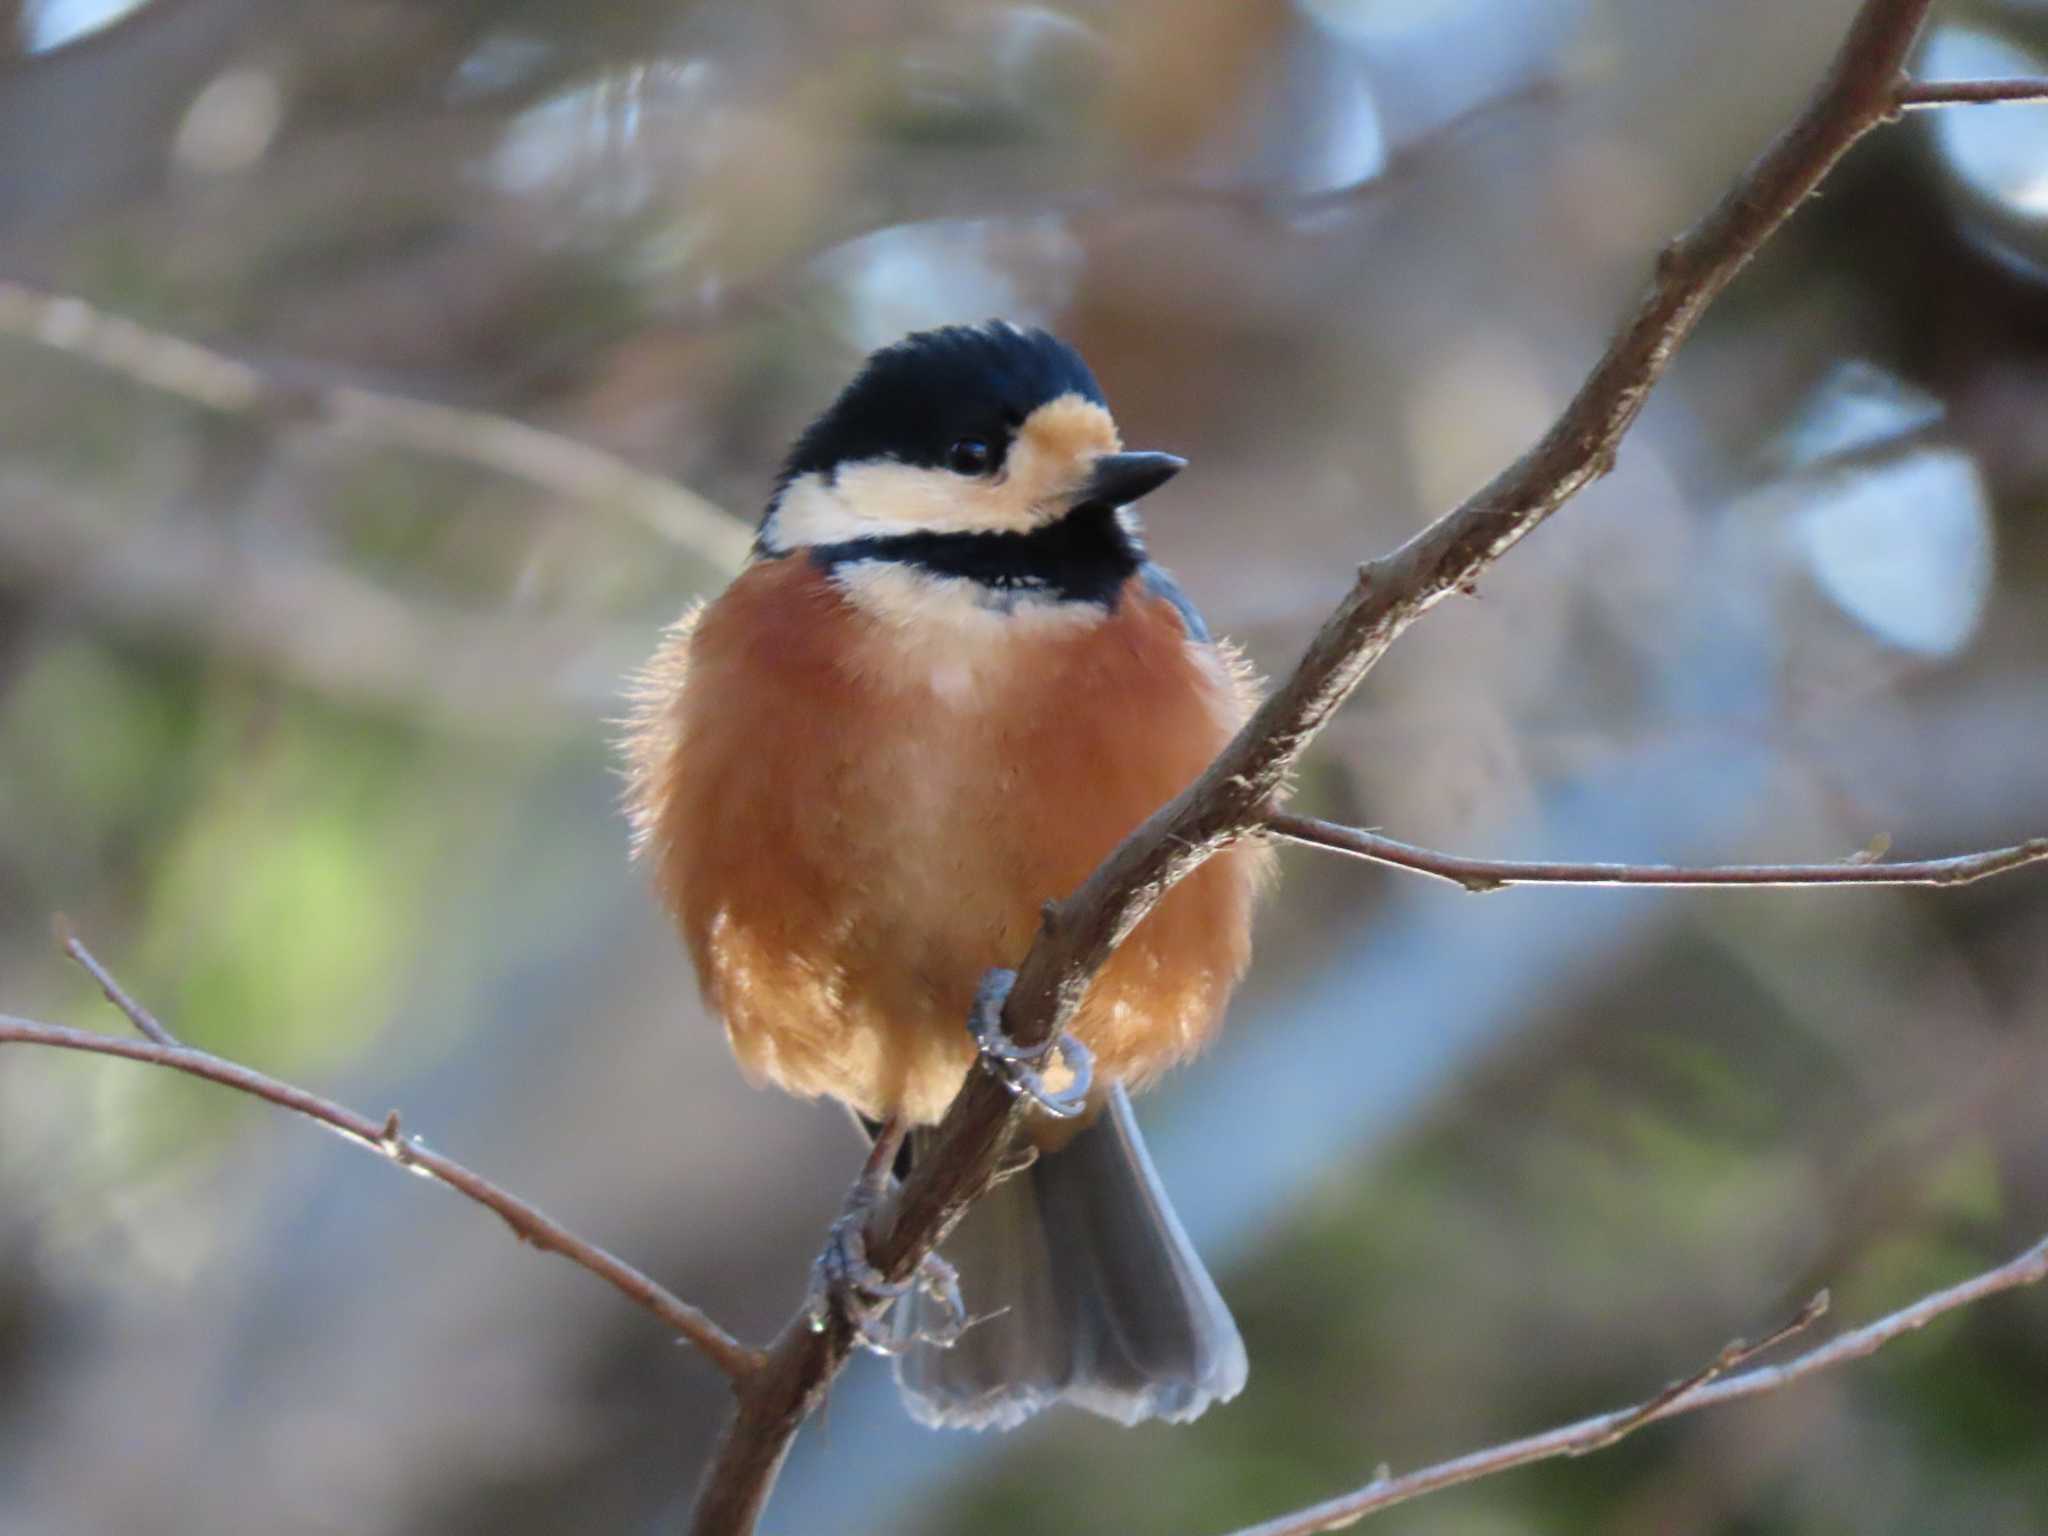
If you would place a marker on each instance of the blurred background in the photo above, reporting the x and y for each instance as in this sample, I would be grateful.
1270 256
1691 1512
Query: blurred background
306 701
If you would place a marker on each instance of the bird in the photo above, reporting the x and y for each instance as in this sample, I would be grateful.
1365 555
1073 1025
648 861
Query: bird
948 681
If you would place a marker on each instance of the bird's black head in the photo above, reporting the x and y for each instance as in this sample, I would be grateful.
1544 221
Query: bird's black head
919 401
961 431
985 453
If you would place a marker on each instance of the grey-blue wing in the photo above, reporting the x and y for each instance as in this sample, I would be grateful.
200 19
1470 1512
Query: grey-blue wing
1160 583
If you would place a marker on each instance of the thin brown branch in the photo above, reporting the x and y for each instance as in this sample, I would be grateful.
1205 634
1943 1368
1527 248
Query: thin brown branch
560 465
1483 875
2029 1268
1733 1356
528 1224
1922 94
115 993
1391 593
1860 92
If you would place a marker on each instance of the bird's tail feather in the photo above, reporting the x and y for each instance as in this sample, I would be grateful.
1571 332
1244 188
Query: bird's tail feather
1088 1293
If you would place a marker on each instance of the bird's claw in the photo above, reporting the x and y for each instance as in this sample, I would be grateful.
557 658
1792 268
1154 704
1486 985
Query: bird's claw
844 1280
941 1282
1055 1075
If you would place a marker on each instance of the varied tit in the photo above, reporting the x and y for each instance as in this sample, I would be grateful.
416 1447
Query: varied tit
946 685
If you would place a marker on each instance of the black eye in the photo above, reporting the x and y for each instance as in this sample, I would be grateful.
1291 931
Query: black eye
970 456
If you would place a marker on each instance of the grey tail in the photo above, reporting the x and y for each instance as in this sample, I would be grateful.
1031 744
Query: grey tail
1088 1292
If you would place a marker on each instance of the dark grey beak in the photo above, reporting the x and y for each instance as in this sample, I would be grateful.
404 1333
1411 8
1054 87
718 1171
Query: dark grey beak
1121 478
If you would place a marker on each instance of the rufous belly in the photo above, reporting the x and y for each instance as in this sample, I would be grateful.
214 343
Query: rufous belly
855 808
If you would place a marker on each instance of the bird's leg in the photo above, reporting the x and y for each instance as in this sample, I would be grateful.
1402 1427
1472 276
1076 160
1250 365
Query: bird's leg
1054 1075
843 1276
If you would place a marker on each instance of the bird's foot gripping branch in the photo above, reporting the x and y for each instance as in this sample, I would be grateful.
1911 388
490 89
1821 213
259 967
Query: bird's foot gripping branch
1054 1076
848 1290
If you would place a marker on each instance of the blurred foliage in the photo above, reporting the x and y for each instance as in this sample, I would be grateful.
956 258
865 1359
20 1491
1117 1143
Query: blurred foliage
308 732
1503 1269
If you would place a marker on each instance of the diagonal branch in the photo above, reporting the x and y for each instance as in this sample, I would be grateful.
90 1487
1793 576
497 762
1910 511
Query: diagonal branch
1859 94
528 1223
1484 875
1865 87
1703 1391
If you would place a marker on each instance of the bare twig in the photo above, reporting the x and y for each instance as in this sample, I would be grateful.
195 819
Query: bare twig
528 1224
1483 875
2029 1268
561 465
1733 1356
1922 94
1862 90
134 1012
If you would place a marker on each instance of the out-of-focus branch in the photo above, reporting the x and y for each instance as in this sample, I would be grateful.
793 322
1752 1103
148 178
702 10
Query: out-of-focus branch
314 621
572 470
1709 1389
1862 90
1922 94
528 1223
1483 875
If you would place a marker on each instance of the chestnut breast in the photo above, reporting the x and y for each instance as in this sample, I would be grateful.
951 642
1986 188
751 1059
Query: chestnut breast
858 789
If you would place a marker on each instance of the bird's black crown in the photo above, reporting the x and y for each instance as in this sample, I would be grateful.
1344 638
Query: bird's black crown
914 400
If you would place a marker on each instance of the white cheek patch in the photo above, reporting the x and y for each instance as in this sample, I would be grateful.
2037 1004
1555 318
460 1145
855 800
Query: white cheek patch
881 499
810 512
1047 462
